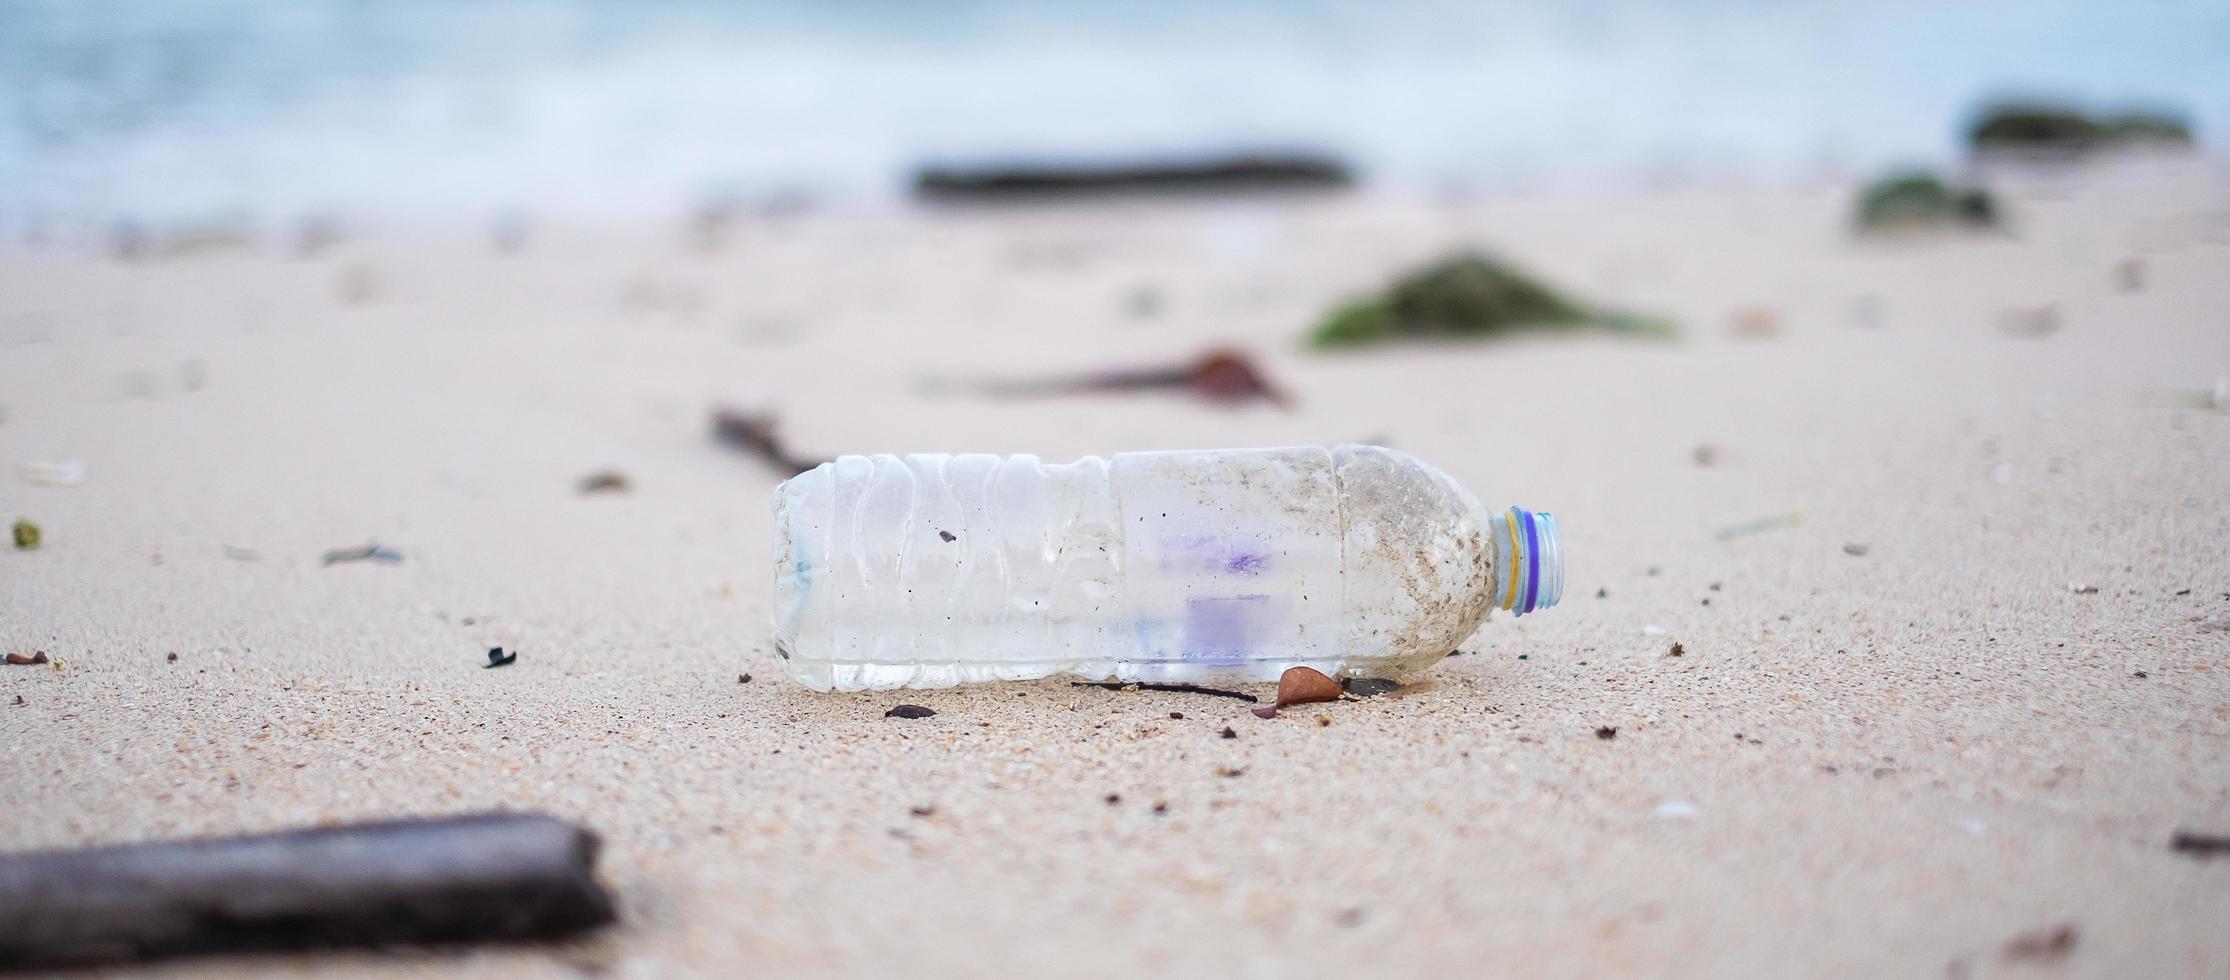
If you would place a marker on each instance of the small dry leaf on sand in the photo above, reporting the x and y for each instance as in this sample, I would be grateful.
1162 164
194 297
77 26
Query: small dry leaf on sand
1301 685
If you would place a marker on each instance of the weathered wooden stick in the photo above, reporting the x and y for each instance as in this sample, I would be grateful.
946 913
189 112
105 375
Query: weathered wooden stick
485 876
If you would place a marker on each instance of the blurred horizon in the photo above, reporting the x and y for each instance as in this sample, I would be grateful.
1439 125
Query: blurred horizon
232 110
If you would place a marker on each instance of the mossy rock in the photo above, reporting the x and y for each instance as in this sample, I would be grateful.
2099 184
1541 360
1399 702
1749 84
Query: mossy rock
1919 200
2059 130
1467 294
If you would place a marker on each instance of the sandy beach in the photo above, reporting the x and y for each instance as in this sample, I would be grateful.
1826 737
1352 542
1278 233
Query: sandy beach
1956 676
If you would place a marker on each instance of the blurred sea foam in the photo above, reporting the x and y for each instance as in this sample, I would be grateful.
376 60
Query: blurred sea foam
200 108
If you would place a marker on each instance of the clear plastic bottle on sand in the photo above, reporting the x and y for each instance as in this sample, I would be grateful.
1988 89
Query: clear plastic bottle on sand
1231 565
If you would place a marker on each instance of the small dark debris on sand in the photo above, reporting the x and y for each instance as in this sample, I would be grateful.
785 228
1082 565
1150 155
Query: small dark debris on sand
2044 944
1467 294
743 678
26 535
753 433
1856 550
1606 732
172 658
1228 733
21 660
484 877
1161 809
368 552
1677 651
1219 375
1171 688
1302 685
2038 130
1038 182
1369 687
1114 798
909 711
924 811
1231 772
498 658
2140 675
606 481
1176 716
946 536
2200 845
1917 200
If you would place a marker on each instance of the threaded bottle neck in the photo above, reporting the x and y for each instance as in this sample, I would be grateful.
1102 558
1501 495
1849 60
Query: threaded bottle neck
1530 561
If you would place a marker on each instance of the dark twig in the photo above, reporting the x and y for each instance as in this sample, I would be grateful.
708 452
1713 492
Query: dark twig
2199 845
1172 688
496 876
754 433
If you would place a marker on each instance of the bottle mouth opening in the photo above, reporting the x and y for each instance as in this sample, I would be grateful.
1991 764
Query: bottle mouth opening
1537 562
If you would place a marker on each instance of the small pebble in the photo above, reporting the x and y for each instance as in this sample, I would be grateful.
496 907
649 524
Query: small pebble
908 711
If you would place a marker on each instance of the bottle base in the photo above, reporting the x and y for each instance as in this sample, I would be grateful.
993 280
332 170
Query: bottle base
826 676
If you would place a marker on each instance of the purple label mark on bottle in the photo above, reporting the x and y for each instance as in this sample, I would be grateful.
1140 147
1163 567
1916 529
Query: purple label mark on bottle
1214 554
1223 630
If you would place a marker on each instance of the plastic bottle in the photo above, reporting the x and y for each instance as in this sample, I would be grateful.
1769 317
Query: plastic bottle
1232 565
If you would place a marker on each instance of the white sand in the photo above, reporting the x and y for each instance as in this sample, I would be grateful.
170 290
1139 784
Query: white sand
1886 765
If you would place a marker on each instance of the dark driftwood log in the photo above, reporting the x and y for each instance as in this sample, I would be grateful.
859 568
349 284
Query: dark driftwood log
1030 181
488 876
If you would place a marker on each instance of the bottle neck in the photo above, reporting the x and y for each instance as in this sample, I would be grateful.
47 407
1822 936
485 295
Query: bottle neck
1529 561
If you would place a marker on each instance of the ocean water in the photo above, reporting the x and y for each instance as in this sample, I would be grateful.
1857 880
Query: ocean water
234 109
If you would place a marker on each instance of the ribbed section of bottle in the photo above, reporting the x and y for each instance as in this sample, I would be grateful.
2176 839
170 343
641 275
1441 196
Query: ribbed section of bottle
932 570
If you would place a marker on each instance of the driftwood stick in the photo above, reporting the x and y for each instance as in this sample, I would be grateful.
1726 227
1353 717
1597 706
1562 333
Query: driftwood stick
504 876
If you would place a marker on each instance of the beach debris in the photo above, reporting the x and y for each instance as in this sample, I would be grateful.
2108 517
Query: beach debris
65 473
1369 687
365 552
242 554
1176 716
1676 810
1113 799
27 535
2050 943
172 657
946 536
2140 675
1705 454
2030 322
753 433
1606 732
2082 588
1249 172
357 285
1468 294
2049 131
2199 845
605 481
1143 302
1323 721
1218 375
1917 200
908 711
1677 651
20 660
1855 549
1161 808
1231 772
1302 685
1756 323
1761 525
1229 733
1170 688
743 678
2129 276
491 876
498 658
